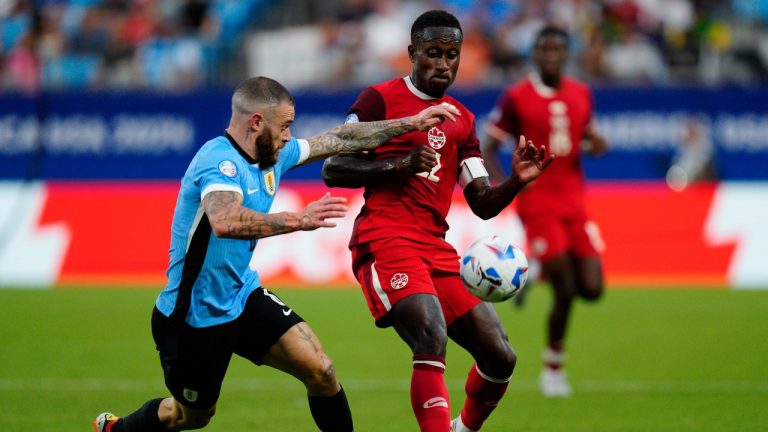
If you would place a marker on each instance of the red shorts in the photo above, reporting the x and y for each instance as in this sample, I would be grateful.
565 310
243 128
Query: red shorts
392 269
551 235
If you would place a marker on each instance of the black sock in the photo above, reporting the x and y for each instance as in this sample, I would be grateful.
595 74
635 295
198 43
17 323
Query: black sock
144 419
331 413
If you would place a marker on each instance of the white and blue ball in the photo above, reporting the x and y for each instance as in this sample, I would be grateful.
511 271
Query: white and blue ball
493 269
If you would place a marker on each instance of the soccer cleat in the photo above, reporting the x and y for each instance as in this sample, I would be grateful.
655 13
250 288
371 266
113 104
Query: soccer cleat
554 383
104 422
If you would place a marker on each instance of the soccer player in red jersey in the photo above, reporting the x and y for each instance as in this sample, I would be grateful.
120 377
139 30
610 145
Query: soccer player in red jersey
556 110
408 272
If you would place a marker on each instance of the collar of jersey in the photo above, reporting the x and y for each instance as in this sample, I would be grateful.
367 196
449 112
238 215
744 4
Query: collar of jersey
240 150
542 89
414 90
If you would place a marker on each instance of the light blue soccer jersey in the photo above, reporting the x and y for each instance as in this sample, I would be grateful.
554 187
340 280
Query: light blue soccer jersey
209 279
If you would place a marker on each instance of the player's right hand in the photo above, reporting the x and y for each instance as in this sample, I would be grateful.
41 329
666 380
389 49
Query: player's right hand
433 115
315 213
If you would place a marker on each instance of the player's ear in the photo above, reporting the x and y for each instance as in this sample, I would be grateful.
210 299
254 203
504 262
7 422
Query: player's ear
411 52
256 122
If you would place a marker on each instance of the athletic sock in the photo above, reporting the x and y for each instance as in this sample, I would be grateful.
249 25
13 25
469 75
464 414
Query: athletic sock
429 395
483 394
331 413
144 419
554 356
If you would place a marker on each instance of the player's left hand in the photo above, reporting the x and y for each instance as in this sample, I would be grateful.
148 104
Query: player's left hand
528 162
433 115
316 213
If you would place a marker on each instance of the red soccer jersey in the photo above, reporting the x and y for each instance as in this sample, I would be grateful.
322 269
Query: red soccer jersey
555 118
415 208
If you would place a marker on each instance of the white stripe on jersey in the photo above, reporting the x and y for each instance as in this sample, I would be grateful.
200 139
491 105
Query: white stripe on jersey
379 290
303 151
193 228
220 187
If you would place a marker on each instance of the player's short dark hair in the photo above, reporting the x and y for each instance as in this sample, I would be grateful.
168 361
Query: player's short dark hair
433 18
552 31
259 90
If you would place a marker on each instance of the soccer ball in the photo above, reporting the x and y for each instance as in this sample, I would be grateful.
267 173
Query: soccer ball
493 269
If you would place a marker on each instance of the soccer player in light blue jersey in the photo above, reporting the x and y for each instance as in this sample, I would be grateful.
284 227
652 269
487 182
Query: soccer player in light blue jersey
214 304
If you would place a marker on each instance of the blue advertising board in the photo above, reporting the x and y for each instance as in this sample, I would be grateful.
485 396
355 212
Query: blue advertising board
151 136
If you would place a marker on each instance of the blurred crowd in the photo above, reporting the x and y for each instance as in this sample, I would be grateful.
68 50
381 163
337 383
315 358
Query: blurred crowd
166 44
187 44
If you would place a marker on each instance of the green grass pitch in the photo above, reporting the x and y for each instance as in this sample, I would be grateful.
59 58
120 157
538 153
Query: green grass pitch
640 360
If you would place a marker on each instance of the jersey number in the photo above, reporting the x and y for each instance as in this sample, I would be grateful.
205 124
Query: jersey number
431 175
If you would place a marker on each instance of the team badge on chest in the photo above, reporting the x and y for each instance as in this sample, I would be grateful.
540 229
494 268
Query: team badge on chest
436 138
270 185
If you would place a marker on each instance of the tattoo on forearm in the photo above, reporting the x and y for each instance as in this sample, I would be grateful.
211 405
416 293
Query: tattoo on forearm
355 137
223 207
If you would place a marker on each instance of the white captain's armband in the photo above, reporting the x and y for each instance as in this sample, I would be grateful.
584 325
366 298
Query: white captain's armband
471 169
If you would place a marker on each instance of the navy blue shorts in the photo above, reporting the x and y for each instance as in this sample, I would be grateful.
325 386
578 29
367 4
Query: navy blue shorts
195 360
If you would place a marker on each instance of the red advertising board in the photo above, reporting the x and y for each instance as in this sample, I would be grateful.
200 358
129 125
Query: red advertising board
118 233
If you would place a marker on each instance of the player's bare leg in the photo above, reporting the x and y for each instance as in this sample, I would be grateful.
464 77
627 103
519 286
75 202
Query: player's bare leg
570 276
419 321
299 353
590 277
563 278
480 332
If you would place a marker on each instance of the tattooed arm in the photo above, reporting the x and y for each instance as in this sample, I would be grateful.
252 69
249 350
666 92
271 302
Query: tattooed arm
356 137
229 219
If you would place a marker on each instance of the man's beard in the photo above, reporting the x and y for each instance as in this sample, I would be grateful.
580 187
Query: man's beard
266 150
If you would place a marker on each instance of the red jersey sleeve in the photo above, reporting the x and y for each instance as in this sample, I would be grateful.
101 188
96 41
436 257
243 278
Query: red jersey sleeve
471 147
504 115
369 106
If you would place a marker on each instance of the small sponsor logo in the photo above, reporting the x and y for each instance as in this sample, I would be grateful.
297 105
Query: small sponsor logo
399 280
190 395
252 191
287 312
436 402
228 168
436 138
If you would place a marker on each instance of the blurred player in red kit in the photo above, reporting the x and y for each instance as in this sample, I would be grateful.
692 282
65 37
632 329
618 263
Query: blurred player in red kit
408 272
556 110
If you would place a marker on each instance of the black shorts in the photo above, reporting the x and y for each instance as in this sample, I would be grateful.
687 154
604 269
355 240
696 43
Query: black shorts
195 360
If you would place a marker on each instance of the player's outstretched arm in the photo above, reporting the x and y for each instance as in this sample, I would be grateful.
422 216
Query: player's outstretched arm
356 137
596 144
355 170
528 162
489 147
229 219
